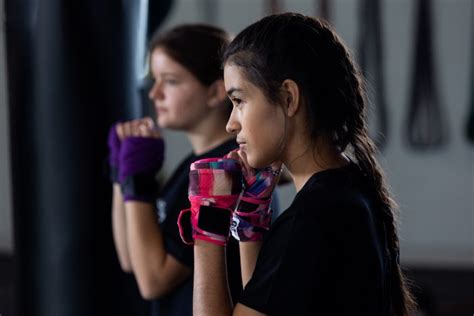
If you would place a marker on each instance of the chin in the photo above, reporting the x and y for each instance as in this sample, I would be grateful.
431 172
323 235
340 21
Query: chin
166 123
263 158
161 122
257 162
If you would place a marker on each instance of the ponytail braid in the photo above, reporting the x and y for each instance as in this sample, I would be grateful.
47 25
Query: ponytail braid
402 302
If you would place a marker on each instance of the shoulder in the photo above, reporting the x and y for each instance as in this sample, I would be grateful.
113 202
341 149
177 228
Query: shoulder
329 210
335 194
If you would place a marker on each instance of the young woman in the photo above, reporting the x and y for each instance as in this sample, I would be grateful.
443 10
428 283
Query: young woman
299 101
189 96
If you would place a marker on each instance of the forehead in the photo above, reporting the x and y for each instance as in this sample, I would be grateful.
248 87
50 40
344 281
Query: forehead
234 78
161 61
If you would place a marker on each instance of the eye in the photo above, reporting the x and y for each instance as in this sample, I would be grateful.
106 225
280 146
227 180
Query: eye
236 101
171 81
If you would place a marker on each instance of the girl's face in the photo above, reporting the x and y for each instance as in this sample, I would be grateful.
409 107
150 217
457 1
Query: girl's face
180 98
260 125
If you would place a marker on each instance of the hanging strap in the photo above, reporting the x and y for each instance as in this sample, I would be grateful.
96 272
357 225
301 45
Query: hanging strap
425 126
371 61
322 9
470 120
272 6
210 9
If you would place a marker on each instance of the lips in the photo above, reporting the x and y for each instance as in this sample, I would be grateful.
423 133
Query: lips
242 145
160 109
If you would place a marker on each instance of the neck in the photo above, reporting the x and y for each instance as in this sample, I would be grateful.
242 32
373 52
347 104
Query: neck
310 159
207 136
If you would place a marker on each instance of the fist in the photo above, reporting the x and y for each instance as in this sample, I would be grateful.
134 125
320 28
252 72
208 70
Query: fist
144 127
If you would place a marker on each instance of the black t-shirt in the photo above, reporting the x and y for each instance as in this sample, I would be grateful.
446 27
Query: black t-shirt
326 254
174 198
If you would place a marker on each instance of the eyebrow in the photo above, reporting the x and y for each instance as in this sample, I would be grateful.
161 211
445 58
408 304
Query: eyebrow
169 74
232 90
164 74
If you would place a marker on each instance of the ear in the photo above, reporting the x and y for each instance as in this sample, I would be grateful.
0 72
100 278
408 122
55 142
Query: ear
291 97
216 94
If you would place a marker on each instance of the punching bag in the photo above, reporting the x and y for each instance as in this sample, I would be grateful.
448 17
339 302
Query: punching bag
71 73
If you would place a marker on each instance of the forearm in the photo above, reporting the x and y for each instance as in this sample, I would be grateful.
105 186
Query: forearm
211 295
146 246
248 258
119 229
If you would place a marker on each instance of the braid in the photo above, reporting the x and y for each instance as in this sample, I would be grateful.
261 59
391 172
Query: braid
365 152
356 133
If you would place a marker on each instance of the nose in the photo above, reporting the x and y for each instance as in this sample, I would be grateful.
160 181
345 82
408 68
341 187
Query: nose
156 92
233 124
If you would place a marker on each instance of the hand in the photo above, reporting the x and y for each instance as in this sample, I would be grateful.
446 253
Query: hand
140 157
215 185
252 217
258 183
143 127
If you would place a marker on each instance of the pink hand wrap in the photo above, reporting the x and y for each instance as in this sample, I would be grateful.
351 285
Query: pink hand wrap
252 217
215 186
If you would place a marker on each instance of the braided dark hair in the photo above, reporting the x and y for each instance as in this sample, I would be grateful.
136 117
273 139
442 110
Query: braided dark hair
308 51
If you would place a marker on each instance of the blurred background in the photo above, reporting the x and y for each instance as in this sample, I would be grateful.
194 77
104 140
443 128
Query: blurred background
68 69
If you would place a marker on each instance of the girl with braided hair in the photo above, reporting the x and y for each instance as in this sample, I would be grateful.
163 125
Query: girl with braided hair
299 100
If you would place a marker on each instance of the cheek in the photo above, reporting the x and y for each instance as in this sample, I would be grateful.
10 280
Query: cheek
174 104
184 107
266 133
178 104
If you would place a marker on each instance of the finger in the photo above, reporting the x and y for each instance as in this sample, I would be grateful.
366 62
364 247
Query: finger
144 131
119 131
156 131
135 129
149 128
233 155
127 129
148 121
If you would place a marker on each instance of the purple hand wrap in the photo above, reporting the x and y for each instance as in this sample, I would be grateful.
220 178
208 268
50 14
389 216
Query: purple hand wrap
140 159
113 141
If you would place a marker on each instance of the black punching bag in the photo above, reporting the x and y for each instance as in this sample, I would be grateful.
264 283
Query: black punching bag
71 73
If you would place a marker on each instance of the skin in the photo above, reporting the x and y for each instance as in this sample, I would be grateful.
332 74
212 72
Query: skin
270 135
182 103
178 96
262 137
